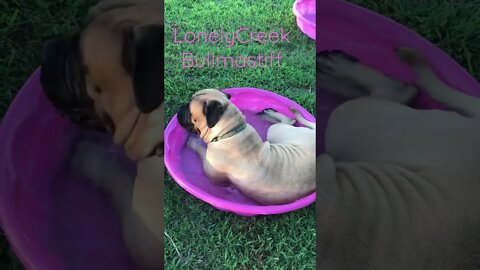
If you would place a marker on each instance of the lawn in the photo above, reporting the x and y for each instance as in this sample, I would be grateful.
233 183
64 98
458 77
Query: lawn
206 238
202 237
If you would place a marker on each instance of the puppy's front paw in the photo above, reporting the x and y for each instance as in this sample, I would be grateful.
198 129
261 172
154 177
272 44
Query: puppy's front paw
92 160
193 143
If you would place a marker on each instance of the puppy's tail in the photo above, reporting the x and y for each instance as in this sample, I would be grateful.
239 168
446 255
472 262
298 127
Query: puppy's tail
464 104
299 117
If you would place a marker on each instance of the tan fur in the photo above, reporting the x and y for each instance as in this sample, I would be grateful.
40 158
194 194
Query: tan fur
277 171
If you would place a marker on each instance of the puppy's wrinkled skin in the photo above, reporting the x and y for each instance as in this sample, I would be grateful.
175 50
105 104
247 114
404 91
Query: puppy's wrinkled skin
398 187
277 171
109 76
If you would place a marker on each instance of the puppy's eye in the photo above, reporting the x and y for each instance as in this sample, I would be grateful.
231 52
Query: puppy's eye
98 90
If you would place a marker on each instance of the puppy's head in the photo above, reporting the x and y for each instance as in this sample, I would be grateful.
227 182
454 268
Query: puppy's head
205 111
111 72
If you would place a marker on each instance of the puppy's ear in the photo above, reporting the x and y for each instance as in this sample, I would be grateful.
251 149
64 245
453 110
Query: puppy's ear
143 59
184 117
212 110
221 90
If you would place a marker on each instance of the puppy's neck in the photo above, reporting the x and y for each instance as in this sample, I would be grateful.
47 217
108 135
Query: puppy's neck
146 136
231 119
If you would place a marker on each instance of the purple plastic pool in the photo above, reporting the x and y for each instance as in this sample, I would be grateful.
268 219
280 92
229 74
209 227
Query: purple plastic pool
305 11
372 38
53 219
185 166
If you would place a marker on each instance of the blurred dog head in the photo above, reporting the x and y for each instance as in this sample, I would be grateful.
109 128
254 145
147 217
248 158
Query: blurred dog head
110 74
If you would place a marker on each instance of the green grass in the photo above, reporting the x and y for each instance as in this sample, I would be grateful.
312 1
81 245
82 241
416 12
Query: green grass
201 236
206 238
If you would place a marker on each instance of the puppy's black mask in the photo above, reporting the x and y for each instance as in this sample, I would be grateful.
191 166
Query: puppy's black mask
213 111
62 78
185 118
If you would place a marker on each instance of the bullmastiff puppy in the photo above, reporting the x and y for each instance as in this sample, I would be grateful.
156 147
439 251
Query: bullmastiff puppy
277 171
109 76
398 187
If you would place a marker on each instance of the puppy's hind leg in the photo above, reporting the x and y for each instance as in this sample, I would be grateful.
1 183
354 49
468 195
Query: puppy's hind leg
273 116
344 75
302 120
464 104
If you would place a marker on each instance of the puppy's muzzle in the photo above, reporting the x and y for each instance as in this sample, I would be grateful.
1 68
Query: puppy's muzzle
63 82
185 118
